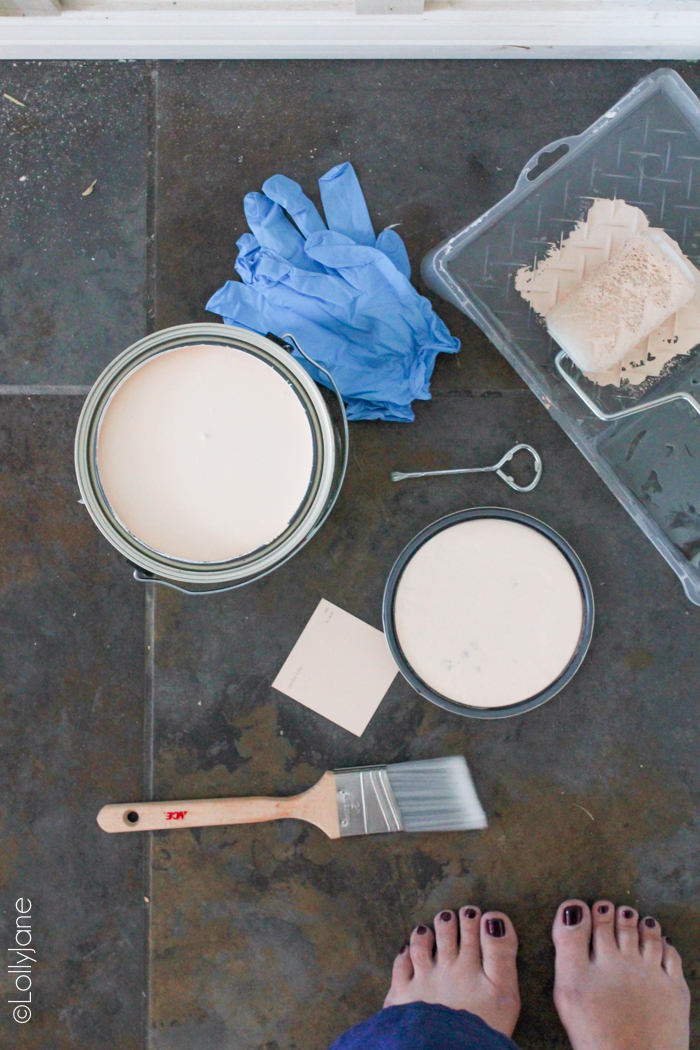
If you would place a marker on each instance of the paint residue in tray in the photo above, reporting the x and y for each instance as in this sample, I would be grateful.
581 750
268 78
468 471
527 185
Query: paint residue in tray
609 225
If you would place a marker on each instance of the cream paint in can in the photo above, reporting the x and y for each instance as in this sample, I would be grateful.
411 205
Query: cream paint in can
297 486
488 612
205 453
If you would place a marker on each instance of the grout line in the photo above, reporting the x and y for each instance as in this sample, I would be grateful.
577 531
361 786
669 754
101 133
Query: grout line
36 389
148 780
151 200
150 589
477 393
149 691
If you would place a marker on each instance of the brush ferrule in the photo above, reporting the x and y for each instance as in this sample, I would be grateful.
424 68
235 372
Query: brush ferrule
366 802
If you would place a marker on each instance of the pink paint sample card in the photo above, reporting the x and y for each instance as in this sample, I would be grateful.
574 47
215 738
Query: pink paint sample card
340 668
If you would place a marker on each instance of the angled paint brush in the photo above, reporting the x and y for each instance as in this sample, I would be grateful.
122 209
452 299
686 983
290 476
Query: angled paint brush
436 794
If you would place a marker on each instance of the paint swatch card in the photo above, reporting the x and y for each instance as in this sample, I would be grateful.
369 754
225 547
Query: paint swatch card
340 668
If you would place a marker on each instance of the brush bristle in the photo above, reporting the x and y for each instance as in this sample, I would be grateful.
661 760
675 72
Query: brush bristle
436 794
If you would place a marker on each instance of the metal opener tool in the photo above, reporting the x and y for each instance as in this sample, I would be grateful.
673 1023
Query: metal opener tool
495 469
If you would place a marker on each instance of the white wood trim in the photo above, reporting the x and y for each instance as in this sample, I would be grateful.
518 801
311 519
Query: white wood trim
32 8
387 7
94 29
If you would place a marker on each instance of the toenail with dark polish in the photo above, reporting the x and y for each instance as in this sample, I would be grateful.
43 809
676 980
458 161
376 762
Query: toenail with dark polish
627 913
445 916
495 927
420 930
651 923
573 915
668 940
470 913
603 909
402 949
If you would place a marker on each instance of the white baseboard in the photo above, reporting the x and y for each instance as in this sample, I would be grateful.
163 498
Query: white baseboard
30 8
118 29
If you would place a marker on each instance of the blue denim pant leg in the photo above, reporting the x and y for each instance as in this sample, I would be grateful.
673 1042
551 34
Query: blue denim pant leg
423 1026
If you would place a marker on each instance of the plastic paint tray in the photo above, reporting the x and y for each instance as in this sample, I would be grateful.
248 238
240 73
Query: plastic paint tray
645 150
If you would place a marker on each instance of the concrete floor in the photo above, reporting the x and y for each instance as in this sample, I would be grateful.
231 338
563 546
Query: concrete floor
274 938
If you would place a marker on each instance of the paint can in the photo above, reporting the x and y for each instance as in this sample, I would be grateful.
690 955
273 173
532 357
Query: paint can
324 412
579 640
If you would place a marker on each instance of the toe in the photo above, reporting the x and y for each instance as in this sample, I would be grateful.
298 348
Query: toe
650 940
627 930
603 918
422 942
446 930
571 934
401 975
671 961
470 936
499 945
402 971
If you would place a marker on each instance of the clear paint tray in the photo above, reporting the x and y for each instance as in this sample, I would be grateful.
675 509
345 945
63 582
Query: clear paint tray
646 151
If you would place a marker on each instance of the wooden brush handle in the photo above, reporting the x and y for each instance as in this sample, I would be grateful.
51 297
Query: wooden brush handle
318 806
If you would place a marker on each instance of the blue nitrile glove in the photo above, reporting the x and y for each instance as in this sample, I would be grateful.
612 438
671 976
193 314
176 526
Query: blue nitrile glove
343 293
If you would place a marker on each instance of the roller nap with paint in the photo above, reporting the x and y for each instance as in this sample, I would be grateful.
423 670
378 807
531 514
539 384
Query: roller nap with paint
427 795
607 317
642 284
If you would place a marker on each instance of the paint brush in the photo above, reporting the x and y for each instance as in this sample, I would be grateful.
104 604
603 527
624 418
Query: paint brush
430 795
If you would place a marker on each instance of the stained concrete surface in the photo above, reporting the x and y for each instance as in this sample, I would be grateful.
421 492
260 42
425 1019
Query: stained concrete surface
71 687
73 292
277 937
274 937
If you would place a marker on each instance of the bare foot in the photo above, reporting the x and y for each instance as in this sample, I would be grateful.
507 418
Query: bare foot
619 984
468 964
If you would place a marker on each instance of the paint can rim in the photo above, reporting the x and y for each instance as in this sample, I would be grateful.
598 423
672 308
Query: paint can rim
324 486
522 706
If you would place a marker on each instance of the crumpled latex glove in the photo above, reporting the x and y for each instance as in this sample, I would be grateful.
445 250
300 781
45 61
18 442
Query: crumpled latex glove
343 293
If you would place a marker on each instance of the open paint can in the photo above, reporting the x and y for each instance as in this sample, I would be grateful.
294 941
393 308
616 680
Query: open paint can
488 612
206 454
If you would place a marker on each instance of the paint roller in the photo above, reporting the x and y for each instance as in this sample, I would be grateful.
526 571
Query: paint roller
625 300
